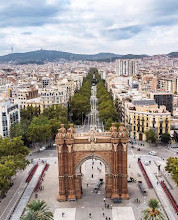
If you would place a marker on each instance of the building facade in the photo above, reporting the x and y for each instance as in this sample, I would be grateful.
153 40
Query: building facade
143 118
126 67
9 114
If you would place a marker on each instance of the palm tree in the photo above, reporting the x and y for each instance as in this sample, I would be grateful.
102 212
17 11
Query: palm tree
153 213
37 210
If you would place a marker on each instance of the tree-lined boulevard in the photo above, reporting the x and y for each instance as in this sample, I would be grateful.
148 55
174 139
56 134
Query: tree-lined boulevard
92 108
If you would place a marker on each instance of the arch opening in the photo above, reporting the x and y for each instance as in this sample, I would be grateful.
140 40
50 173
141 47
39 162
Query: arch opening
89 157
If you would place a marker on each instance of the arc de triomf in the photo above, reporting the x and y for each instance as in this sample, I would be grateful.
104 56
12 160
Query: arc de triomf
108 147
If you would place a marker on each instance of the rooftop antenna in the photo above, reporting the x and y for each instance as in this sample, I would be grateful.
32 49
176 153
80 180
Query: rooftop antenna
12 49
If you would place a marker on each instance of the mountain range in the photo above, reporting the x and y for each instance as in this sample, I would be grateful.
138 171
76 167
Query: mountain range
42 56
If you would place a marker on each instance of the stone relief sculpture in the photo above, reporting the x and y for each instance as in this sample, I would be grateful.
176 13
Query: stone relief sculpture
61 132
113 130
124 133
70 132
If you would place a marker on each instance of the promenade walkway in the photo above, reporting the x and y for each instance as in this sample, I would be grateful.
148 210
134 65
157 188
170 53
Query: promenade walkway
27 194
161 194
8 204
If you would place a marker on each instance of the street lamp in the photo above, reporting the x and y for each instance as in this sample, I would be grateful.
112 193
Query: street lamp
82 118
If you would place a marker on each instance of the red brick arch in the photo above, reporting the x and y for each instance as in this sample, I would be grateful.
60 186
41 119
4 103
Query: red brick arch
74 150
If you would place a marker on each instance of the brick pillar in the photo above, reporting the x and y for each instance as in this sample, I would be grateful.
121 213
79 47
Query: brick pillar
71 188
78 186
62 194
108 185
115 191
124 194
120 168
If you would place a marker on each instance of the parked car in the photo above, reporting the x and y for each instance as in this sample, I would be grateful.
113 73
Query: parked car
43 148
153 153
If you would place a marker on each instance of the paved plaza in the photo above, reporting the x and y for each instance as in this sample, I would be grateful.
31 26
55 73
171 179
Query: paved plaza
93 202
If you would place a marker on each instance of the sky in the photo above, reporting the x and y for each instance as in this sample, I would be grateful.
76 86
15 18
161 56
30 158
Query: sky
89 26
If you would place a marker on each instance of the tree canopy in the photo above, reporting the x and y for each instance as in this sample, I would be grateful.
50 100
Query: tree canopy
79 105
153 211
37 210
106 107
165 138
12 158
172 167
151 136
35 128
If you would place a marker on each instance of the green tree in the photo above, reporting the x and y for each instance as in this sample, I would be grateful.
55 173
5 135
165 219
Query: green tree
54 124
79 105
37 210
165 138
172 167
16 130
29 113
153 212
151 136
107 110
109 124
55 112
12 158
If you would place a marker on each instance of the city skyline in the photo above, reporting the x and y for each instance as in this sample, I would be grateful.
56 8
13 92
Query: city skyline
89 27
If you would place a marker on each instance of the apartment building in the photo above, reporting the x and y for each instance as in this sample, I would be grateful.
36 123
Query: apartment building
9 114
148 82
162 98
23 94
143 117
168 84
126 67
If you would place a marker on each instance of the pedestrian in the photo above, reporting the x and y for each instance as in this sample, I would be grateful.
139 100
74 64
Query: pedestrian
109 218
91 175
111 206
106 218
87 184
104 200
157 183
103 213
108 206
63 214
92 167
89 215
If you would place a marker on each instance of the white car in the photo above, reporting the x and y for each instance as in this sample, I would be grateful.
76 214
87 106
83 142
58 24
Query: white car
146 162
153 153
43 148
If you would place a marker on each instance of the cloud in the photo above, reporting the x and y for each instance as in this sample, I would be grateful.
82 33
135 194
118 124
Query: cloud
123 33
89 26
27 33
28 13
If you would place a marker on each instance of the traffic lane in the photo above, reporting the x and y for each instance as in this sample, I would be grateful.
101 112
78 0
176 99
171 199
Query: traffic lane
43 154
162 151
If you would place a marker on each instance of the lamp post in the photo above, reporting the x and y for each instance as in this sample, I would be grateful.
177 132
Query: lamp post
82 118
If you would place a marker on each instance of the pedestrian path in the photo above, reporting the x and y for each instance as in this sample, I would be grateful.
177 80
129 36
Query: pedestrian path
27 194
161 194
13 195
69 214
